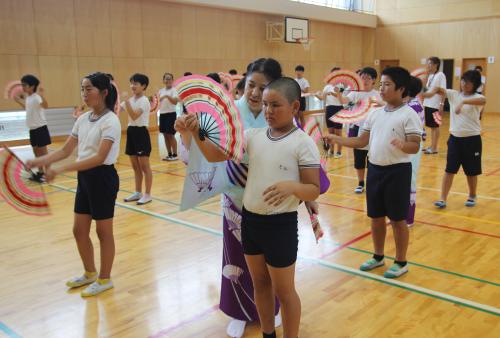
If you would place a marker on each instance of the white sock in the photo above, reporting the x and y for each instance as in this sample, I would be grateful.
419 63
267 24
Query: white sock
236 328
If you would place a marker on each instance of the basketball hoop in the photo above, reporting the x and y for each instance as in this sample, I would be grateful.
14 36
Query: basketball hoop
305 42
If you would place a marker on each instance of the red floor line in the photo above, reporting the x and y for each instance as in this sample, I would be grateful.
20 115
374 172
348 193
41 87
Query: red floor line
177 326
346 244
493 172
423 222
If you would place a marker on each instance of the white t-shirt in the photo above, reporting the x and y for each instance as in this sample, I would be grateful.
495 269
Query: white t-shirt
35 114
90 133
384 126
330 100
272 160
466 123
143 104
165 105
435 80
303 83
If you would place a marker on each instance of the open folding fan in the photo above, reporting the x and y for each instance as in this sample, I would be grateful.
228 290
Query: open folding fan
355 113
227 81
12 89
316 227
422 73
345 80
313 128
154 100
437 117
23 195
218 117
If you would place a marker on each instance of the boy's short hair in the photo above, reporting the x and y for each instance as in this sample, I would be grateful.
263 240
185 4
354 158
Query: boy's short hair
415 86
188 73
371 72
214 76
435 60
479 68
233 71
400 76
299 68
474 77
287 86
31 80
168 74
140 78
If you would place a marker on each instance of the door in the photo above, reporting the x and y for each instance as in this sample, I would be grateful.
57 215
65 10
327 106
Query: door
469 64
388 63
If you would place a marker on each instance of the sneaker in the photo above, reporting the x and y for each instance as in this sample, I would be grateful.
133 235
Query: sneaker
359 189
144 199
337 155
134 197
470 202
96 288
166 158
409 225
371 264
38 177
81 281
395 271
440 204
173 157
429 151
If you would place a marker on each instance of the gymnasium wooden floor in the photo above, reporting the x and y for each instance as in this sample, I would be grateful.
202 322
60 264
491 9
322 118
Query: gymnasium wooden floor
168 263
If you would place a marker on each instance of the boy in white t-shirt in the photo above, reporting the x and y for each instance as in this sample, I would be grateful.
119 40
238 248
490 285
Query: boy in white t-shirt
138 146
369 77
168 101
304 88
393 133
464 143
34 103
283 170
432 100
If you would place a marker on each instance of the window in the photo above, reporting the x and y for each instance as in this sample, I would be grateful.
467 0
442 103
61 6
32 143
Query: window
366 6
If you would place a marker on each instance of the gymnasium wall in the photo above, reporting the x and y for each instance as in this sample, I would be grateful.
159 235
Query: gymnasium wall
61 41
410 30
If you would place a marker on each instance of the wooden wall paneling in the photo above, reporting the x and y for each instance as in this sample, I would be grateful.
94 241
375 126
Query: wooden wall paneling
126 28
321 49
17 27
154 68
59 78
183 27
55 27
209 36
450 39
384 43
428 37
157 24
368 46
90 64
476 35
93 27
233 33
352 45
404 40
337 35
180 66
13 67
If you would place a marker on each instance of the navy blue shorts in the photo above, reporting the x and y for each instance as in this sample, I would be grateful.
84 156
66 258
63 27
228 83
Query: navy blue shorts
40 137
96 192
138 141
329 112
388 190
274 236
465 152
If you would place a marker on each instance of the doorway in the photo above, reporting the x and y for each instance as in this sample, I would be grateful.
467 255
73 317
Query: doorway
471 64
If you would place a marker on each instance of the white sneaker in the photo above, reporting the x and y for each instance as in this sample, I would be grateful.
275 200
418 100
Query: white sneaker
96 288
134 197
359 189
277 319
173 158
76 282
337 155
144 199
395 271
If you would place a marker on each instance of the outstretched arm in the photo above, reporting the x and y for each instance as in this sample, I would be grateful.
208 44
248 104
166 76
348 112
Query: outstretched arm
351 142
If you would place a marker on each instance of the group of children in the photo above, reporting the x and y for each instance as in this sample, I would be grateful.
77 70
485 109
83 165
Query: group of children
281 169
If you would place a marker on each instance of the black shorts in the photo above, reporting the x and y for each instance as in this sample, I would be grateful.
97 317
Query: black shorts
138 141
274 236
388 190
429 118
360 158
329 112
167 121
465 152
40 137
96 192
302 103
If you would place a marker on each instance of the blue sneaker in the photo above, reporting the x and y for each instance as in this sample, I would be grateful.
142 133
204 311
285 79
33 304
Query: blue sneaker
471 202
371 264
395 271
440 204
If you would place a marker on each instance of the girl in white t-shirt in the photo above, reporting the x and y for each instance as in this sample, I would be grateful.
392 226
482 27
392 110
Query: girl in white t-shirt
34 103
168 101
283 170
97 135
436 82
464 143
